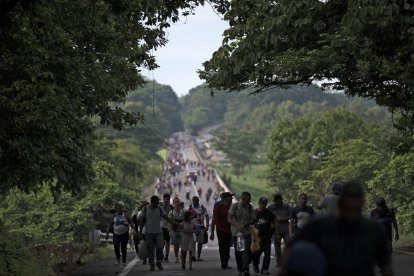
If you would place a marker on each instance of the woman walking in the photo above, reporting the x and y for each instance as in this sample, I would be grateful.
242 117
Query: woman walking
176 232
120 224
187 241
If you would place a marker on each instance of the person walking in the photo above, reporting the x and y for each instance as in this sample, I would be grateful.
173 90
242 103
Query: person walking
135 225
176 232
201 223
200 192
385 217
151 218
282 214
223 228
187 191
208 195
241 216
165 225
300 214
264 223
187 241
348 243
120 223
329 204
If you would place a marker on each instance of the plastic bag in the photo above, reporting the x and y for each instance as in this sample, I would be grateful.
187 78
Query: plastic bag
240 243
255 244
142 250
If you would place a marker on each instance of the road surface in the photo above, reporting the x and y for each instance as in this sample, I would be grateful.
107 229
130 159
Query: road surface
403 262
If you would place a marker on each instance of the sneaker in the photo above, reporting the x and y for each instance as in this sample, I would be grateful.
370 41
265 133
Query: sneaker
123 265
194 259
152 267
117 262
256 269
159 266
265 272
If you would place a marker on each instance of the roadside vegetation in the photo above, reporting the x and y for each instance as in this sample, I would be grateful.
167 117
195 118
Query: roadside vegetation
302 139
125 163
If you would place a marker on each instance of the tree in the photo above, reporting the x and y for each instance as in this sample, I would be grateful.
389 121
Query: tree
199 99
394 182
161 110
334 126
61 63
196 118
351 160
306 154
238 146
364 47
289 155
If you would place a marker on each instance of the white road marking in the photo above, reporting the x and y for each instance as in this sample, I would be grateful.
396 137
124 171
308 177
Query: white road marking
128 268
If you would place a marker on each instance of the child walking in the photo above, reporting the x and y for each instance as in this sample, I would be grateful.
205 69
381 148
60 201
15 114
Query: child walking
187 241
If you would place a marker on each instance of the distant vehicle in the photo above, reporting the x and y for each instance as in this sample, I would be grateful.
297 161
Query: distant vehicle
192 175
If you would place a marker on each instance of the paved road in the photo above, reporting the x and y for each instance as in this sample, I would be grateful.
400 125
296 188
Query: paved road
403 263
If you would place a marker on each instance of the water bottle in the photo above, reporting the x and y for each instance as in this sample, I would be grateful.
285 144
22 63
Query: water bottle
240 242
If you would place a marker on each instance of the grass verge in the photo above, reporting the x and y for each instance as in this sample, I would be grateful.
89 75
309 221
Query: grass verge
406 240
252 180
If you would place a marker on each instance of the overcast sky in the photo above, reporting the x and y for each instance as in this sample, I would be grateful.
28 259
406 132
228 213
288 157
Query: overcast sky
191 42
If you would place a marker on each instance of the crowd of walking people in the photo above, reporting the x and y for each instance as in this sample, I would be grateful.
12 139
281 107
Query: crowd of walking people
335 240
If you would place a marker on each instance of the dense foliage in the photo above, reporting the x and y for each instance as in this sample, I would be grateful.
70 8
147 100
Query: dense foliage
62 62
309 138
201 108
239 146
243 109
308 154
301 149
364 47
40 221
160 107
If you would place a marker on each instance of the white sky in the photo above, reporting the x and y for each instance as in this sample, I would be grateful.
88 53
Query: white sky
191 42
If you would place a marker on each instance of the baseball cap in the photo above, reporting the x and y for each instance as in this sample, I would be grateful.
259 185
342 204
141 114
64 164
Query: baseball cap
263 200
226 194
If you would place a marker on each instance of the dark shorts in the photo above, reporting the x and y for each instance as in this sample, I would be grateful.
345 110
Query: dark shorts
165 234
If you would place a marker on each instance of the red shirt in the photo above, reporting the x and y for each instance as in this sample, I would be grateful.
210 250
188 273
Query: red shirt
220 214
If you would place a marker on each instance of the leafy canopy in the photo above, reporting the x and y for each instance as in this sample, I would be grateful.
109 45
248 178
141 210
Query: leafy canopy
238 146
365 47
62 62
307 154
